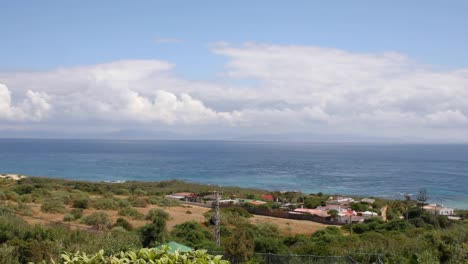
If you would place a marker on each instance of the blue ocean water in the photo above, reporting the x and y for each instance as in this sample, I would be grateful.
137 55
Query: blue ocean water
362 169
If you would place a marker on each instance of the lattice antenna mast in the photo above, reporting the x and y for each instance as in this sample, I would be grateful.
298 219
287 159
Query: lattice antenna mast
217 220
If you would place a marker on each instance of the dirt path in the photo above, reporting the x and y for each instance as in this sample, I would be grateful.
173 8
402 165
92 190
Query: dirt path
383 212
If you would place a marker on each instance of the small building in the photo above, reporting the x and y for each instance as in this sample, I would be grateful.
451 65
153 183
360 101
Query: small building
268 197
185 196
256 202
438 209
368 201
368 214
340 200
322 213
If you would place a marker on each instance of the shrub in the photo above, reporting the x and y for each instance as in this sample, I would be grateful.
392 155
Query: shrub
131 212
188 212
121 191
68 217
64 196
98 220
12 196
22 208
8 254
163 202
77 213
237 211
26 198
139 202
53 206
191 233
122 203
24 189
139 192
121 222
81 202
154 214
105 204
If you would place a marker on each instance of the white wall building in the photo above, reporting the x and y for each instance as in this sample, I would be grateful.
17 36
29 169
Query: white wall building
438 209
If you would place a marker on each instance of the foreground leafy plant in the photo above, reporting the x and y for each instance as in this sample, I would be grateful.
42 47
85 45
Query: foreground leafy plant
143 256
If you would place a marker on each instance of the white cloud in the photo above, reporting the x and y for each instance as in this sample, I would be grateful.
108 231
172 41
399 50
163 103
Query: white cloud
293 89
34 106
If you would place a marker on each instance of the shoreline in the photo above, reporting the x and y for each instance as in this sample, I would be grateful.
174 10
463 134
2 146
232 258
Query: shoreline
230 187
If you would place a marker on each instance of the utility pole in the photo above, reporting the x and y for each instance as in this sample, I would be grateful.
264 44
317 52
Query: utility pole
217 220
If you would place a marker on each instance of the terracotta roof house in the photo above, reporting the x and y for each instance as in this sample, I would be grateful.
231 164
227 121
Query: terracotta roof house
268 197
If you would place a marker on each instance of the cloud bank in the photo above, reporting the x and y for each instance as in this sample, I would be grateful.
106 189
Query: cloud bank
263 89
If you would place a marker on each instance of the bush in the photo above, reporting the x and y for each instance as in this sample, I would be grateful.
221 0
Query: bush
8 254
237 211
139 192
154 214
64 196
77 213
53 206
139 202
121 222
168 202
131 212
24 189
191 234
12 196
98 220
68 217
105 204
121 191
81 202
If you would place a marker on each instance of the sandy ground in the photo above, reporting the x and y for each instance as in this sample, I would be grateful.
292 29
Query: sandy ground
179 214
15 177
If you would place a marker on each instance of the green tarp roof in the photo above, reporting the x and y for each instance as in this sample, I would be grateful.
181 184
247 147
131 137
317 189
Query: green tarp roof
174 246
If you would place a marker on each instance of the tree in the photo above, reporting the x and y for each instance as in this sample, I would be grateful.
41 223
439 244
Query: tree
313 202
155 233
333 213
422 197
192 234
240 246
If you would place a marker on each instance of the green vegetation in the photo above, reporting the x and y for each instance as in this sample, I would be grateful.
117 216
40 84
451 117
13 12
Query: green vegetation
411 235
98 220
131 212
144 255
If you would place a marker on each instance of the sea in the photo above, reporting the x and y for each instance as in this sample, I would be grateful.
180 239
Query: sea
371 170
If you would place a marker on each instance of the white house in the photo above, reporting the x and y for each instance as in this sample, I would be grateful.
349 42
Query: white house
438 209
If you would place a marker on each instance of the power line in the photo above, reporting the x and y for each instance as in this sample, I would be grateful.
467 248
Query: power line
217 220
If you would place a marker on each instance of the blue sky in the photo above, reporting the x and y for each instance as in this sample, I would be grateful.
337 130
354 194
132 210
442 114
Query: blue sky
48 34
294 68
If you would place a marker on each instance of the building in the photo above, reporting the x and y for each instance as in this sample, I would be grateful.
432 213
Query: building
438 209
184 196
340 200
368 201
268 197
322 213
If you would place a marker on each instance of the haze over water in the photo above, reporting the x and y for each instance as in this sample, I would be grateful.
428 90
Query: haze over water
380 170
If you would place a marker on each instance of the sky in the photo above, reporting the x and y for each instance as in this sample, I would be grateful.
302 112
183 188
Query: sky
235 70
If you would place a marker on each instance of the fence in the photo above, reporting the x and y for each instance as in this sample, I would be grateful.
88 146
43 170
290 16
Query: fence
281 213
268 258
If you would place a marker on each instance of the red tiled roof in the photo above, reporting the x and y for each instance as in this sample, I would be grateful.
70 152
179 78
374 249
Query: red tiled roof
268 197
